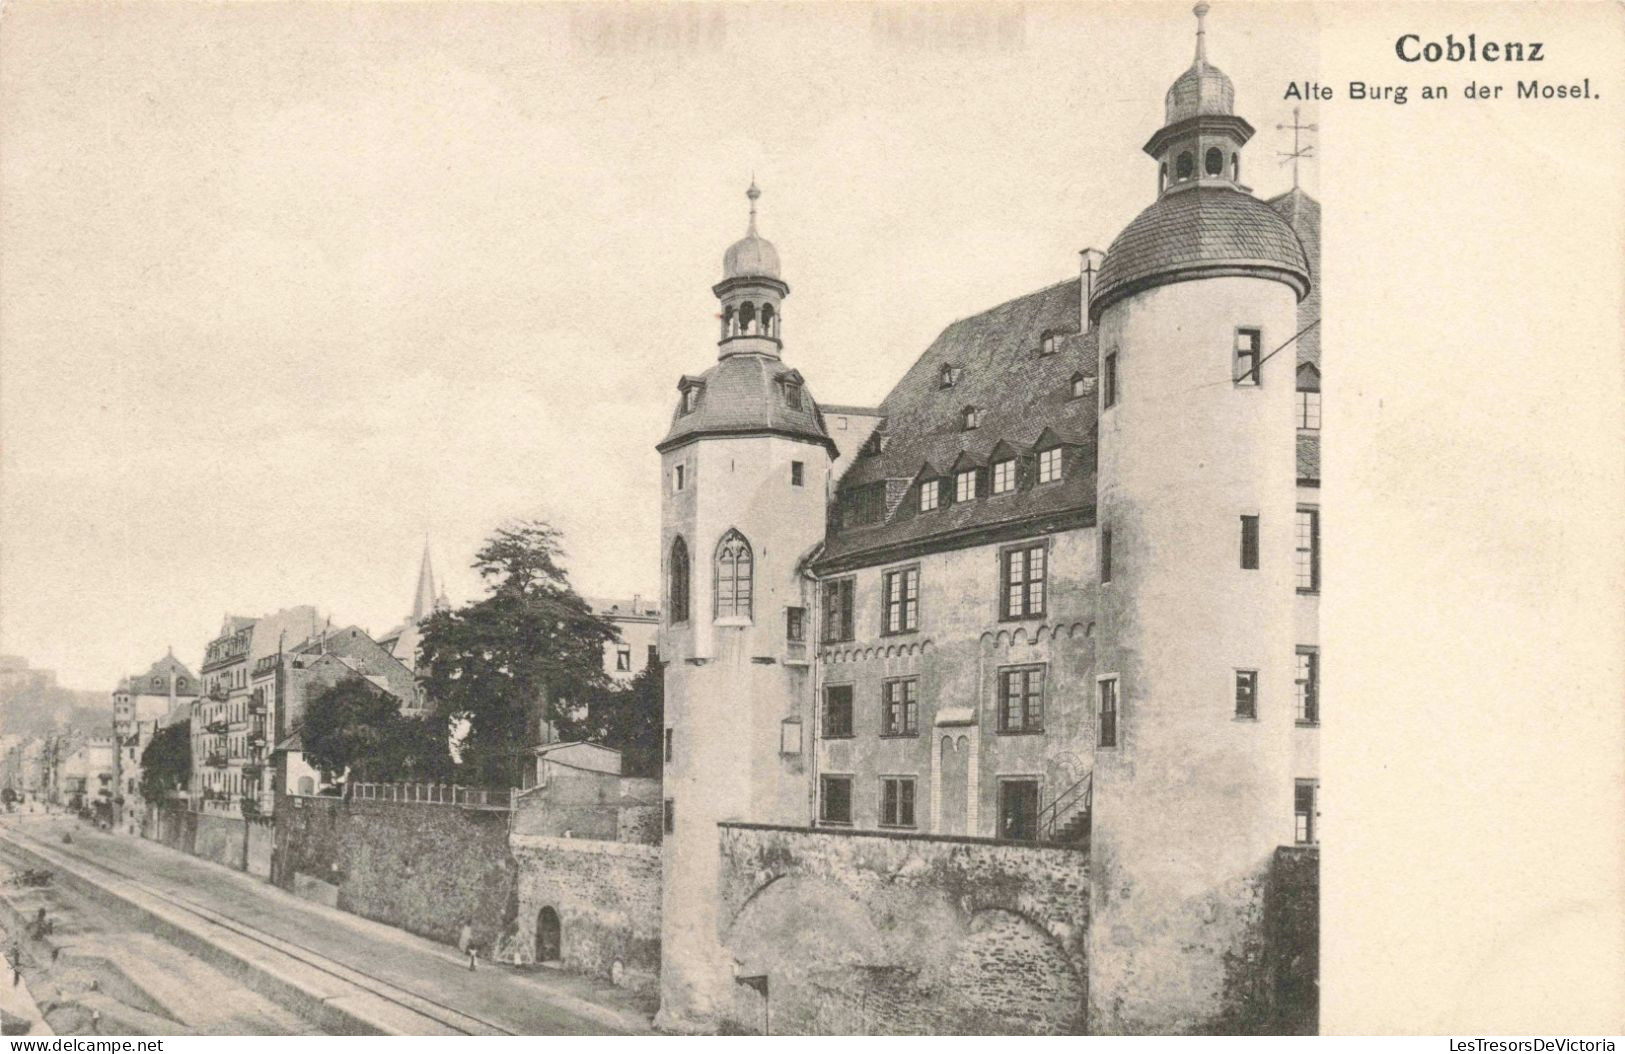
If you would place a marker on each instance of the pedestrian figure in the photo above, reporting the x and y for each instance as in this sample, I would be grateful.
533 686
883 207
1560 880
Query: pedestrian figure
473 958
465 937
16 964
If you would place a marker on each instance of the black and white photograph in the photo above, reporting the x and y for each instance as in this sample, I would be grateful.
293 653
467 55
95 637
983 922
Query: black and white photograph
789 519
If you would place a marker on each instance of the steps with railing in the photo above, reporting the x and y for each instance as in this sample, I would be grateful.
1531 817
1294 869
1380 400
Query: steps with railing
1066 819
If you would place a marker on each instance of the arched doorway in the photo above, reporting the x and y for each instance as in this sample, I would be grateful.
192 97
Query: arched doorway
547 936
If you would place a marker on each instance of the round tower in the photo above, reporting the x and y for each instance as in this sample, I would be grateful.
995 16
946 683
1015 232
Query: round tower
745 470
1195 661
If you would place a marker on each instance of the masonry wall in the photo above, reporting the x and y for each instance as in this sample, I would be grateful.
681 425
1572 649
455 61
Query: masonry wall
1292 925
882 934
222 839
423 868
606 896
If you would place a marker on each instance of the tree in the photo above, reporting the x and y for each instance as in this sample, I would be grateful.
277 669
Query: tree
166 762
531 652
632 720
356 726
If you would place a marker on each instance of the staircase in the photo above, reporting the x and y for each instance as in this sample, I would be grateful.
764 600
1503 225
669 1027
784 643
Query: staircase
1065 821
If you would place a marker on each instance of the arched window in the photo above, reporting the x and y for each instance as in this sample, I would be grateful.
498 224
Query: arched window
1235 167
727 322
747 318
768 321
733 577
677 569
1214 163
1184 166
1162 176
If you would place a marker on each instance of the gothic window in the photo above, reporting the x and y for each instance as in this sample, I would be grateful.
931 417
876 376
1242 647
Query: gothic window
678 570
1162 177
733 577
1185 166
1214 162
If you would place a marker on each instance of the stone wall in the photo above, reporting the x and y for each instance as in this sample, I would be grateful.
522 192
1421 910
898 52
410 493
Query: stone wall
423 868
222 839
606 899
884 934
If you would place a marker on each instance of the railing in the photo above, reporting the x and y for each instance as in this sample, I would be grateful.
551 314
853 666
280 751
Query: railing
218 694
256 706
215 728
434 794
215 761
1071 803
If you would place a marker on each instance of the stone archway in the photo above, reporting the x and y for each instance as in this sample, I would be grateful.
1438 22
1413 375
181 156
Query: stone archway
549 938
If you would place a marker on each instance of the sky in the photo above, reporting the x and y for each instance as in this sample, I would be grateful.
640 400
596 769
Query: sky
288 290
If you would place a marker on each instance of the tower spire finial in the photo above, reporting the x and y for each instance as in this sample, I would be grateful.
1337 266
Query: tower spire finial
753 193
1201 32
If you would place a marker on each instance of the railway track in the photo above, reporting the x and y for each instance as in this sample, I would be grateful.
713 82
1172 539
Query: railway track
17 846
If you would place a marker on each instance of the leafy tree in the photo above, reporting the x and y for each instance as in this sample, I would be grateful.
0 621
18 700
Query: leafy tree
531 651
166 762
632 720
357 726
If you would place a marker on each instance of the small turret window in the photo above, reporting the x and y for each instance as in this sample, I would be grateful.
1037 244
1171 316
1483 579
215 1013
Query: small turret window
1235 167
950 376
1214 162
747 318
768 321
677 570
1185 166
727 322
1249 346
733 577
1162 177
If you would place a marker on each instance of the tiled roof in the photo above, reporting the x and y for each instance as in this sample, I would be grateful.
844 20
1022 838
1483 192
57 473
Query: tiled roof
1020 394
1197 232
1309 456
1302 212
743 394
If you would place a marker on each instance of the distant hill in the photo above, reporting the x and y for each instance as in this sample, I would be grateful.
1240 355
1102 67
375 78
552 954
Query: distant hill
32 706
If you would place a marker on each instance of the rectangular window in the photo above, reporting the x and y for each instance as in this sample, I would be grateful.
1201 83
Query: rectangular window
1106 689
1021 699
1105 554
835 799
897 801
965 485
623 659
1249 345
1004 476
1049 465
1306 812
838 610
654 655
1249 543
930 494
1018 810
1308 687
1247 694
678 477
1108 381
796 473
669 816
1309 410
900 707
669 733
838 711
1308 550
1024 571
901 594
795 625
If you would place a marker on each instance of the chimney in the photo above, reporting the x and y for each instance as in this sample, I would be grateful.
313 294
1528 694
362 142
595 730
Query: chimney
1091 261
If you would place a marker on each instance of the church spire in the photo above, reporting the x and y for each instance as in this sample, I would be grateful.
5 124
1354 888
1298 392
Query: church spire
423 600
1200 11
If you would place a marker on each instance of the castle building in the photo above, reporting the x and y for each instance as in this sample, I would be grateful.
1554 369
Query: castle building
142 703
1059 588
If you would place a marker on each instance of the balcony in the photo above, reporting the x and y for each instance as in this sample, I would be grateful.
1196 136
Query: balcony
215 728
218 693
215 760
256 705
252 770
256 738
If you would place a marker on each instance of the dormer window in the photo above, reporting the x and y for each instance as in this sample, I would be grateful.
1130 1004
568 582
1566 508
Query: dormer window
1004 476
965 485
1049 465
949 376
792 395
1080 387
970 418
930 495
691 398
1046 343
873 445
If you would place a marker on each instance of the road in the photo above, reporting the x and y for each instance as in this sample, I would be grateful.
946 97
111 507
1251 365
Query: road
405 980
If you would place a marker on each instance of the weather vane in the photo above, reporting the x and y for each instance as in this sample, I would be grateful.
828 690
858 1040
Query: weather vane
1305 150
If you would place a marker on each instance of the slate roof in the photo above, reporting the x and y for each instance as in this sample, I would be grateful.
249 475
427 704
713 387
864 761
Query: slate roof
1302 213
1196 232
1021 395
742 394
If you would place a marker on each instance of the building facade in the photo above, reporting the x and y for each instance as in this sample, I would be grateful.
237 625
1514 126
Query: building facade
142 703
638 621
1063 590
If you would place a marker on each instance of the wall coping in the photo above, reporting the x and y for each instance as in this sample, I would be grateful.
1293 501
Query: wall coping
906 836
635 850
